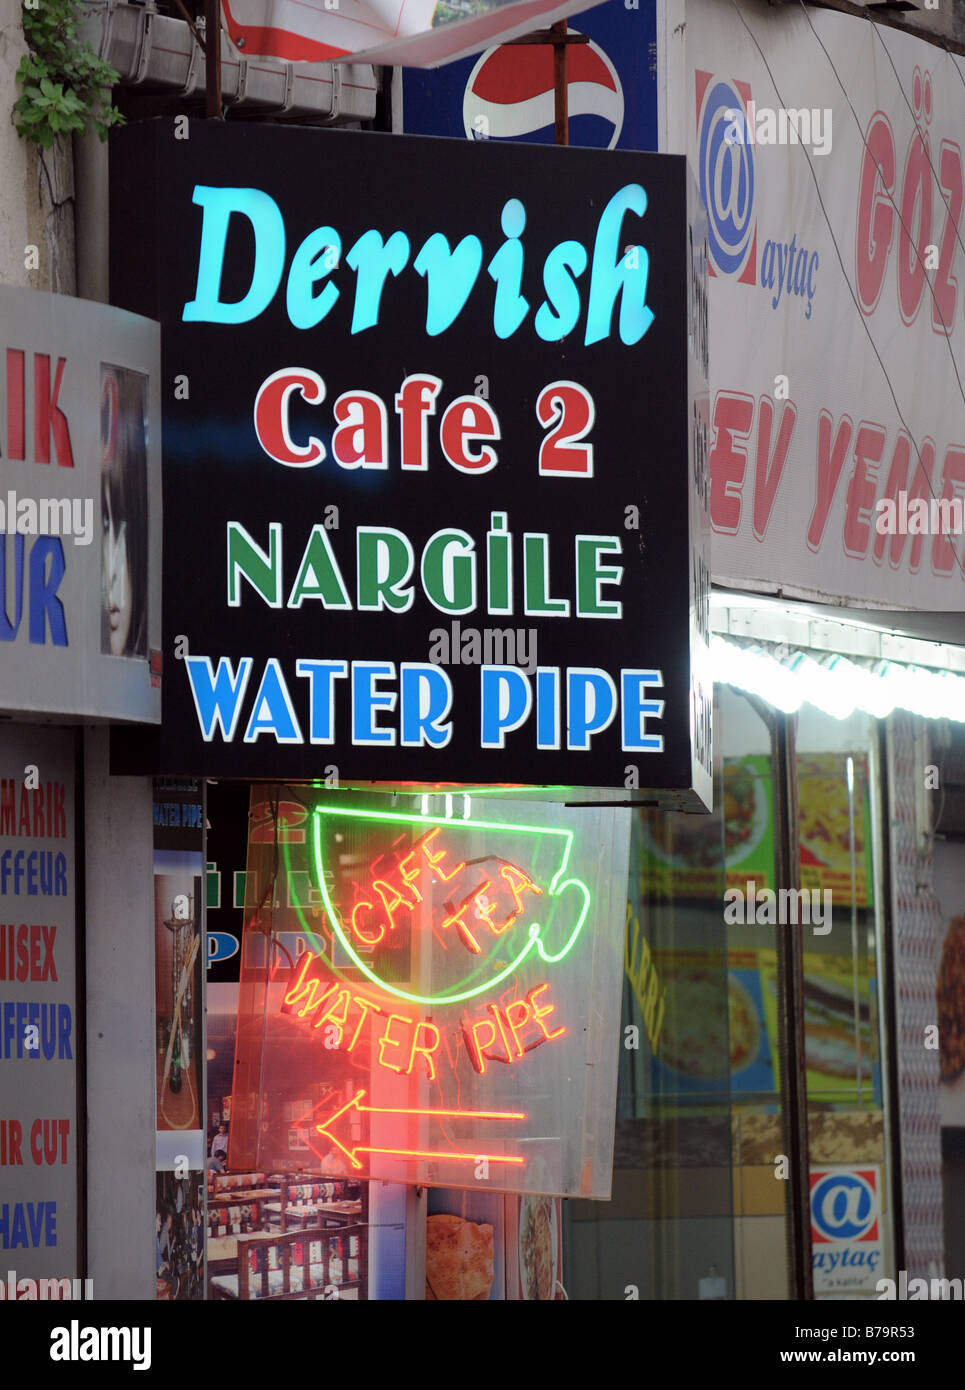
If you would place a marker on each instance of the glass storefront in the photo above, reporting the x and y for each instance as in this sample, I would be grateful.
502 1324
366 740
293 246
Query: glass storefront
753 1066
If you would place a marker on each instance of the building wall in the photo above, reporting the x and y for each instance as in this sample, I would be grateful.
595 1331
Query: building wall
120 1027
36 209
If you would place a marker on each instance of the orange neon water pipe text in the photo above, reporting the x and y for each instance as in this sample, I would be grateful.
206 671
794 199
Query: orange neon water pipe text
522 1021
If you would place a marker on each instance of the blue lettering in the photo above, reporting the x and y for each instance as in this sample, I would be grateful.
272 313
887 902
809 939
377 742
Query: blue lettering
268 226
10 627
63 1033
45 606
426 700
450 276
591 702
372 261
612 275
506 268
559 315
366 699
321 676
304 308
272 711
217 696
635 709
505 702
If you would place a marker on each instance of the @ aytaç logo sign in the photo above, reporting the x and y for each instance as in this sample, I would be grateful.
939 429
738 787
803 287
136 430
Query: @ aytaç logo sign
844 1205
510 96
726 169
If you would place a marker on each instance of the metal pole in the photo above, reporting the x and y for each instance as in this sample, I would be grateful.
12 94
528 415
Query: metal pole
212 59
561 102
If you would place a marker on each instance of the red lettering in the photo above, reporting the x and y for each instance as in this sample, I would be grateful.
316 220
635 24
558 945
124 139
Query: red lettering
469 418
915 194
11 1138
49 419
387 1040
424 1049
362 434
733 417
16 406
945 285
897 482
943 556
435 860
49 970
921 488
876 215
868 448
456 917
769 473
570 410
360 906
412 405
540 1013
830 462
271 416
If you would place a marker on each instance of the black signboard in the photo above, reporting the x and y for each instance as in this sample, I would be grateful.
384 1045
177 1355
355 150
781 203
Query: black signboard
433 449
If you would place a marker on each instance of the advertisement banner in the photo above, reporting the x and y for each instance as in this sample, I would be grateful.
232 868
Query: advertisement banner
39 1040
507 92
179 1018
419 33
493 414
80 509
829 160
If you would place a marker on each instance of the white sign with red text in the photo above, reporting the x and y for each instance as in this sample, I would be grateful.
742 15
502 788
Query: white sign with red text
837 332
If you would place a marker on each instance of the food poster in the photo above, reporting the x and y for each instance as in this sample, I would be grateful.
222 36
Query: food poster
716 1036
824 826
829 1032
704 1050
681 855
465 1246
534 1248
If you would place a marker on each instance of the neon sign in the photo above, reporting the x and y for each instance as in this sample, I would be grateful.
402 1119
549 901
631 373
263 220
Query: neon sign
518 884
425 1006
505 1033
328 1130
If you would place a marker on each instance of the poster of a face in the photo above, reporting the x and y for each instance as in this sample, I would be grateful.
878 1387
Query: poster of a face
124 577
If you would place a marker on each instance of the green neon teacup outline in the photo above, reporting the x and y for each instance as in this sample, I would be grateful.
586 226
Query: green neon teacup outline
556 889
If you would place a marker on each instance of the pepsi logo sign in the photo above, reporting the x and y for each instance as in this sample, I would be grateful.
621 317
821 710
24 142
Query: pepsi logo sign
510 96
844 1206
726 170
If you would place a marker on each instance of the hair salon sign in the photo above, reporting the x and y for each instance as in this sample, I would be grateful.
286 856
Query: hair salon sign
80 484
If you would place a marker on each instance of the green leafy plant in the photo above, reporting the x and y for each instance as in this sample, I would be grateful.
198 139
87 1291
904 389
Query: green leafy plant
65 85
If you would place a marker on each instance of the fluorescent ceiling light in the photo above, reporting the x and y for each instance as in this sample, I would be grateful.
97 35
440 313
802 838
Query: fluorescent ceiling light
835 684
